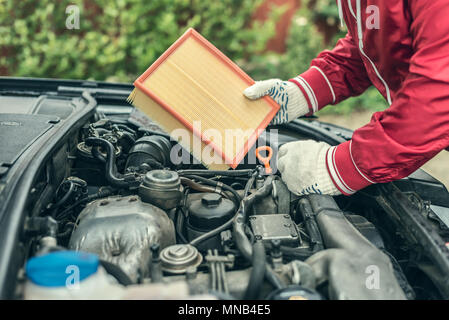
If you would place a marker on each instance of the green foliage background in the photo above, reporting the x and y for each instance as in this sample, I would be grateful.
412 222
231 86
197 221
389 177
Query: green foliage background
118 40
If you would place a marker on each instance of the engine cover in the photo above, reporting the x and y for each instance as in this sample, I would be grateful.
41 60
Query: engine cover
121 230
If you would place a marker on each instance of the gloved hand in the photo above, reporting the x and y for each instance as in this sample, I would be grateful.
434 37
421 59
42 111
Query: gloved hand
303 168
287 94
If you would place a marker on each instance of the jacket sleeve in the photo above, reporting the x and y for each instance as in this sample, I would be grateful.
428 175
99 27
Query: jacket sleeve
415 127
334 75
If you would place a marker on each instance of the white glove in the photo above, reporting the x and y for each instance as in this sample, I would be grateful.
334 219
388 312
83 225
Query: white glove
303 168
287 94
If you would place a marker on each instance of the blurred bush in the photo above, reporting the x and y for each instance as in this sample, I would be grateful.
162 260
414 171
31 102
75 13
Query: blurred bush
118 40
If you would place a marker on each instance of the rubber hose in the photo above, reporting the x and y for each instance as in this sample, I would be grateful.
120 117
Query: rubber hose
257 273
129 139
240 238
97 154
125 128
273 278
211 233
199 187
66 195
110 162
237 198
310 224
92 197
296 253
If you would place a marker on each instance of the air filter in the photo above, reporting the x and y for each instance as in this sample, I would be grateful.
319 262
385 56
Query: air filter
195 87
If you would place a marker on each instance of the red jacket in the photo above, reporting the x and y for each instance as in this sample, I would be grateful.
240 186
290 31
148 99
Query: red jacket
402 48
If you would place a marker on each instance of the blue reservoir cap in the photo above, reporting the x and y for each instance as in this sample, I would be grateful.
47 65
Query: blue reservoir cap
56 269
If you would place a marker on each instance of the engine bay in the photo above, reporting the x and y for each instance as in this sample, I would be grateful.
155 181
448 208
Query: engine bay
234 234
237 233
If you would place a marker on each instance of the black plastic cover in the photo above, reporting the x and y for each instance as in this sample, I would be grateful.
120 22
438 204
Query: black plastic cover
18 132
426 186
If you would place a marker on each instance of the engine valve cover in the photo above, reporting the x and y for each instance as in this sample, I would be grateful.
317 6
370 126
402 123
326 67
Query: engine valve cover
121 230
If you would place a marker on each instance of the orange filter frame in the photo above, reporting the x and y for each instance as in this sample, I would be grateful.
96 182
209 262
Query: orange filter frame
141 84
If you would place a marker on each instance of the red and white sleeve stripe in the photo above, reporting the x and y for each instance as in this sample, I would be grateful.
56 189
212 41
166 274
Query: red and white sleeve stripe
316 87
343 170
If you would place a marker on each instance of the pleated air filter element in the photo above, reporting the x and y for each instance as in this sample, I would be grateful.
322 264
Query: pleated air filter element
195 87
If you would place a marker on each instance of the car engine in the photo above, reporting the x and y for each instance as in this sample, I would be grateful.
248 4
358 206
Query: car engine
100 179
235 234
